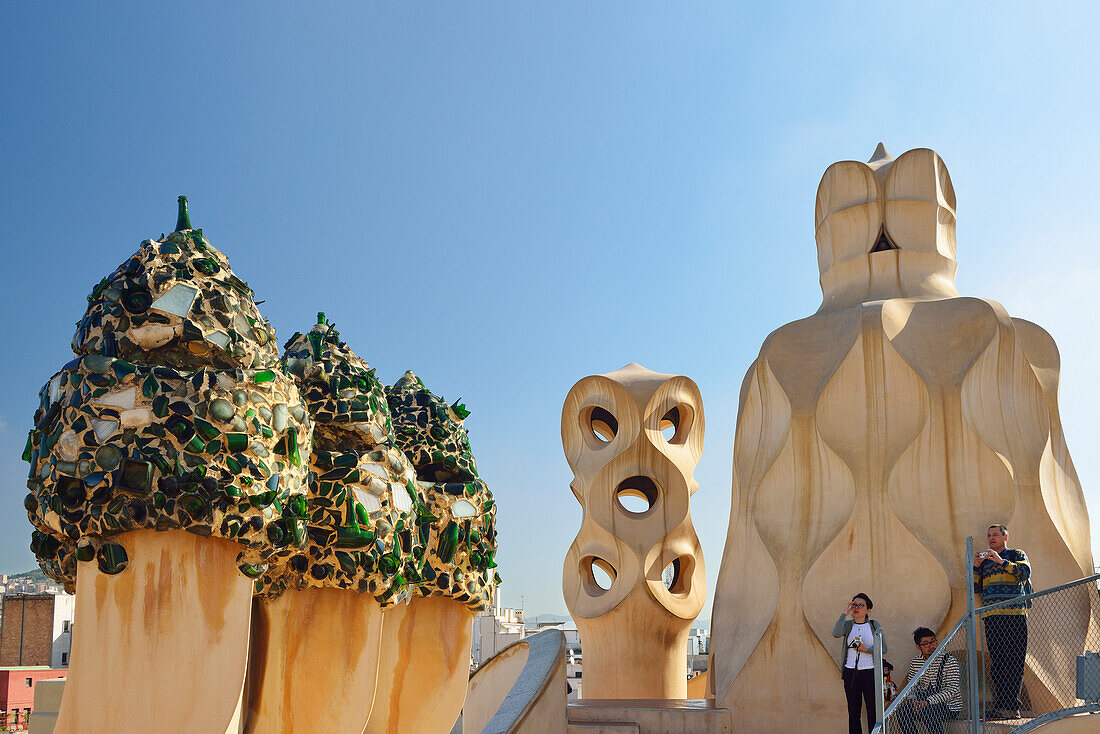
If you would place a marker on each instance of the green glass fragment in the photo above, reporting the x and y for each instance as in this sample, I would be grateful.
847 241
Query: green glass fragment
347 563
28 450
112 558
263 376
353 537
122 368
183 219
150 386
253 571
236 441
448 543
292 444
206 429
297 506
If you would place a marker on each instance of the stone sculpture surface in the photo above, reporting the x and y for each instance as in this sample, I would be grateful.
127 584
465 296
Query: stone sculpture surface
170 452
202 472
872 438
613 430
458 575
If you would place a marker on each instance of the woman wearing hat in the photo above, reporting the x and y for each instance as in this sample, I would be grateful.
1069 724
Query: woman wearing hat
858 675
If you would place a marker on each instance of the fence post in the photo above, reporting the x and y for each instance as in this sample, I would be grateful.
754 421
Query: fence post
880 694
972 639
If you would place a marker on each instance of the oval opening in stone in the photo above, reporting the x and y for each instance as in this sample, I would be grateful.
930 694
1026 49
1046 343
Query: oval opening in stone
602 424
671 574
599 574
674 424
636 495
676 575
669 423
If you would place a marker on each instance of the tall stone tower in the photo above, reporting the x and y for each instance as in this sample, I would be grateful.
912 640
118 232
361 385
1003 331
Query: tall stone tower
872 438
633 438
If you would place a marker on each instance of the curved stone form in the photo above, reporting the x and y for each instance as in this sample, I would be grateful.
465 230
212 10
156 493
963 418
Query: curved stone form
635 630
426 643
314 662
366 522
173 417
872 438
144 635
424 666
520 690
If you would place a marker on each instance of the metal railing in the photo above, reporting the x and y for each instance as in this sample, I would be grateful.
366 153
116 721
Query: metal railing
1038 656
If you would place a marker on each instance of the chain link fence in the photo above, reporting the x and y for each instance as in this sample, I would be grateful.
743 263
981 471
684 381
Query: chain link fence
1006 667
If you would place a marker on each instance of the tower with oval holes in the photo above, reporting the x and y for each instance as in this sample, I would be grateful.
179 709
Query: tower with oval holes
634 578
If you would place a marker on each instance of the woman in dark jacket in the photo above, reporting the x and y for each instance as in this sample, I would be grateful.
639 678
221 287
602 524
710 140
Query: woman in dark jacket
858 659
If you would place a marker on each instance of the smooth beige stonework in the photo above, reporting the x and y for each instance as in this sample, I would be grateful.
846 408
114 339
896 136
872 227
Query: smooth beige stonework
491 684
142 635
424 666
622 716
47 702
632 438
315 659
520 690
872 438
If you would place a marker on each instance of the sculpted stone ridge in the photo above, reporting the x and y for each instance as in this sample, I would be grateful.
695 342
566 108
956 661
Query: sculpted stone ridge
873 437
176 303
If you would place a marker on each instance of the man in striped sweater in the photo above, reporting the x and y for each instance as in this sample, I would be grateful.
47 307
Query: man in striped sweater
1002 573
936 697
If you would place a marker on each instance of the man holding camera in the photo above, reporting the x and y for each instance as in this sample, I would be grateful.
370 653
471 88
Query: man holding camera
1002 573
936 695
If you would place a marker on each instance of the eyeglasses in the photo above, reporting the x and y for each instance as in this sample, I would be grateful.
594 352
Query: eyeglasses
860 605
933 641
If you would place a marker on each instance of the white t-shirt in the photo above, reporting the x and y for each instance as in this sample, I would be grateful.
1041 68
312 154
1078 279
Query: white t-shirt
856 659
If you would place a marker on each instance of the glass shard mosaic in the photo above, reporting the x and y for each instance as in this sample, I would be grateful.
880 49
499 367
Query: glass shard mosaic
179 414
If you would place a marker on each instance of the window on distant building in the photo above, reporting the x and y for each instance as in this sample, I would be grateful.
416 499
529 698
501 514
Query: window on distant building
30 683
64 658
65 626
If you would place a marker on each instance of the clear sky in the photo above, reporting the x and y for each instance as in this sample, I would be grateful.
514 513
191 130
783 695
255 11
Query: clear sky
506 197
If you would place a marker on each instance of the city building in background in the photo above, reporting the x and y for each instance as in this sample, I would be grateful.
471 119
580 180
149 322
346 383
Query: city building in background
17 693
36 630
495 629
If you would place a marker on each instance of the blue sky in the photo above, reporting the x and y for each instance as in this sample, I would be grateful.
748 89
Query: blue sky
506 197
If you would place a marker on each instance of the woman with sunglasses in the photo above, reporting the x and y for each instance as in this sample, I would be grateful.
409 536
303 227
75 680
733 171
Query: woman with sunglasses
858 659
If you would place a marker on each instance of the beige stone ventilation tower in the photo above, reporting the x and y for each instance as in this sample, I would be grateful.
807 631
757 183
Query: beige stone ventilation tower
632 438
872 438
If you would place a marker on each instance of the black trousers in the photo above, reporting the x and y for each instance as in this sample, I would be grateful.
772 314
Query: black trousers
1006 641
932 716
859 687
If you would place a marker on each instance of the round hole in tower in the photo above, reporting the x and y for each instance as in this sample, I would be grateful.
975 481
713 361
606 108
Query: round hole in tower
675 424
636 495
598 575
676 575
602 424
